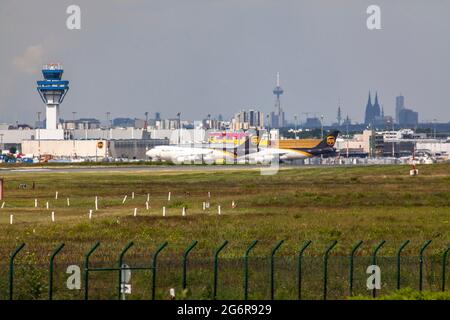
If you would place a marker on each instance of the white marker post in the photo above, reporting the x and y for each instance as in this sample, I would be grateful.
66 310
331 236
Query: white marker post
148 197
209 194
233 205
132 195
53 216
11 218
168 196
35 203
47 205
68 202
135 212
164 211
146 205
90 214
56 195
183 212
96 203
124 199
204 205
218 210
3 204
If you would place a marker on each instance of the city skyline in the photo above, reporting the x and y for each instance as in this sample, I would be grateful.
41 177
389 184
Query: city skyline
154 57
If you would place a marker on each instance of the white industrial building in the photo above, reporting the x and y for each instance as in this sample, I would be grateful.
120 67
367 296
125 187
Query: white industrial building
66 148
362 142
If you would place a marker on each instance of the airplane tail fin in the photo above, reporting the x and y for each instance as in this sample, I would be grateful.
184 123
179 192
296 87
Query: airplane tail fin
329 140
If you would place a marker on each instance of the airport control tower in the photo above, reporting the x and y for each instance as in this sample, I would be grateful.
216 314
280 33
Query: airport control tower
52 91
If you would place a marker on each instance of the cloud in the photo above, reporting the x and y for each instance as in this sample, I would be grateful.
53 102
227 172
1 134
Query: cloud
31 60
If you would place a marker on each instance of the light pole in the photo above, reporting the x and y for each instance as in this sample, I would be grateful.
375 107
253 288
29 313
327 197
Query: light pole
434 125
73 119
39 134
321 126
86 124
348 136
73 134
108 123
393 142
295 124
208 132
179 127
224 149
321 135
146 121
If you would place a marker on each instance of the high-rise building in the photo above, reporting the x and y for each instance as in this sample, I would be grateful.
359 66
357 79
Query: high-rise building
399 105
251 119
408 117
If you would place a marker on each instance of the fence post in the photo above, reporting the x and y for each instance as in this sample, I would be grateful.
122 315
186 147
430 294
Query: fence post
185 256
299 270
272 268
422 249
86 269
51 267
120 262
325 268
374 261
351 258
155 257
11 269
403 245
444 263
216 267
247 252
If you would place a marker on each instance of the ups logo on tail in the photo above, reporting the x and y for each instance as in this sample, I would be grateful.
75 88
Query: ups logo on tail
330 141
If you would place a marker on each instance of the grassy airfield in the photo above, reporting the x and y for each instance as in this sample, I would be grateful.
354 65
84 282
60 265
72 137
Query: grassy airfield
319 204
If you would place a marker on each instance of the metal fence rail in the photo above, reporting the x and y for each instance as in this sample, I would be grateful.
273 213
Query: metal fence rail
288 269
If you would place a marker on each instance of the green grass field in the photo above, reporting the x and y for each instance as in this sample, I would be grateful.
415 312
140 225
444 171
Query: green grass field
319 204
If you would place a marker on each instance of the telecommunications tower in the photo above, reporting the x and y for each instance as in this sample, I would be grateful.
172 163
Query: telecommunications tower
277 117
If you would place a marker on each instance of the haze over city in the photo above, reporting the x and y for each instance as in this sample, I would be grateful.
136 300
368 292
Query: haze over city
216 57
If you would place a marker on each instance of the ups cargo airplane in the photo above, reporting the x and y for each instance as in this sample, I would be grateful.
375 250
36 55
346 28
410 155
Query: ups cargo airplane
275 152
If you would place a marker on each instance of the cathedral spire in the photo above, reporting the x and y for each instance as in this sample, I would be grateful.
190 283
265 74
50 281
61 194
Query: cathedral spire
376 107
369 111
369 102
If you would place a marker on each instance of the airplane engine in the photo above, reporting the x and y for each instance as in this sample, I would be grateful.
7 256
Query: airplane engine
186 159
266 159
209 159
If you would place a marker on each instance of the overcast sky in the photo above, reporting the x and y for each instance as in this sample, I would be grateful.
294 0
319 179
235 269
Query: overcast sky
219 56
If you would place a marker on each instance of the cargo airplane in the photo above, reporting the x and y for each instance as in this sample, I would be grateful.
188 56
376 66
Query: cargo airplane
267 155
179 154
